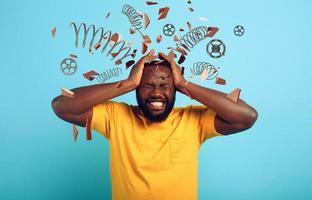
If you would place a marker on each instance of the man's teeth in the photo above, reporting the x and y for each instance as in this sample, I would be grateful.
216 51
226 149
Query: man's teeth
157 103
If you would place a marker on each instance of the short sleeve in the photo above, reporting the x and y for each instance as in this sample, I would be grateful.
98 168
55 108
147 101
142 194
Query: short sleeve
206 124
100 119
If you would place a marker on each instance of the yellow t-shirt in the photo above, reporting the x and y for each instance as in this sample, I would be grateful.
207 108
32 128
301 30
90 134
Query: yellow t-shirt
153 161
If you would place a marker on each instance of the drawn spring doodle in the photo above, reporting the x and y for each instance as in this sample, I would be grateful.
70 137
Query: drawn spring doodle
134 17
104 37
191 38
68 66
104 76
199 67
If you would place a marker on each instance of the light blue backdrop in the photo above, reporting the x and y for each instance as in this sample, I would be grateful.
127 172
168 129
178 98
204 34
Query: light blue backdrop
271 63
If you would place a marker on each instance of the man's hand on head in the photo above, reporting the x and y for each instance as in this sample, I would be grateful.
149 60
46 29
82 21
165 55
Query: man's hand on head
137 70
177 76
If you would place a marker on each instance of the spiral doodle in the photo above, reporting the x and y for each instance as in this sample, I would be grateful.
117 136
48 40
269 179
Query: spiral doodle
191 38
199 67
104 76
103 36
133 16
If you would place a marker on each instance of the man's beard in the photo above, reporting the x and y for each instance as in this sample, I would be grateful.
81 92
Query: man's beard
149 115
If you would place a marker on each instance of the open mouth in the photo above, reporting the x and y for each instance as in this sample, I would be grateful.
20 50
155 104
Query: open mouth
156 104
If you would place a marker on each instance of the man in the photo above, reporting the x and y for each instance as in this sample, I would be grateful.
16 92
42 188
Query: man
153 146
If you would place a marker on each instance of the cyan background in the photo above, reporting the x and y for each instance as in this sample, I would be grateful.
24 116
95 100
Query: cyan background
271 63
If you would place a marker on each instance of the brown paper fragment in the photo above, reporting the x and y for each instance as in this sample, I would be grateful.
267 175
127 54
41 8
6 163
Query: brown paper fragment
181 29
118 62
114 54
90 75
189 1
115 37
75 132
175 38
220 81
158 38
108 14
53 31
151 3
234 95
181 59
189 25
129 63
131 31
204 75
182 51
163 13
147 40
191 9
67 93
88 129
212 31
146 20
97 45
144 48
73 56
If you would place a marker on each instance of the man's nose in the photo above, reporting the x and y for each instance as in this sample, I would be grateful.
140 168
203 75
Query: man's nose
156 92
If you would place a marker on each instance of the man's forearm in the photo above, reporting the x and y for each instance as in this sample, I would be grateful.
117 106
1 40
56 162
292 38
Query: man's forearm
87 97
225 108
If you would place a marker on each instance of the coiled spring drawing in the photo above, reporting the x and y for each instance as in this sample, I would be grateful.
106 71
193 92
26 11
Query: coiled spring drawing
191 38
104 37
104 76
199 67
134 17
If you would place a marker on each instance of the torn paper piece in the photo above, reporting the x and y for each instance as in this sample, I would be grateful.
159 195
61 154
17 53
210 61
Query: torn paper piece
115 37
75 132
53 31
147 40
144 48
158 38
220 81
181 59
189 25
175 38
118 62
181 29
129 63
90 75
191 9
97 45
151 3
204 19
146 20
182 51
163 13
131 31
212 31
189 2
234 95
108 14
73 56
67 93
204 75
114 54
88 129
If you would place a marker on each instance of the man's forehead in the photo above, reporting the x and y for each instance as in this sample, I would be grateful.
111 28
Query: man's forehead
158 71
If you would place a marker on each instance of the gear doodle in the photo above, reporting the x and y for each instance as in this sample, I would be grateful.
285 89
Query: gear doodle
215 48
239 30
68 66
168 30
